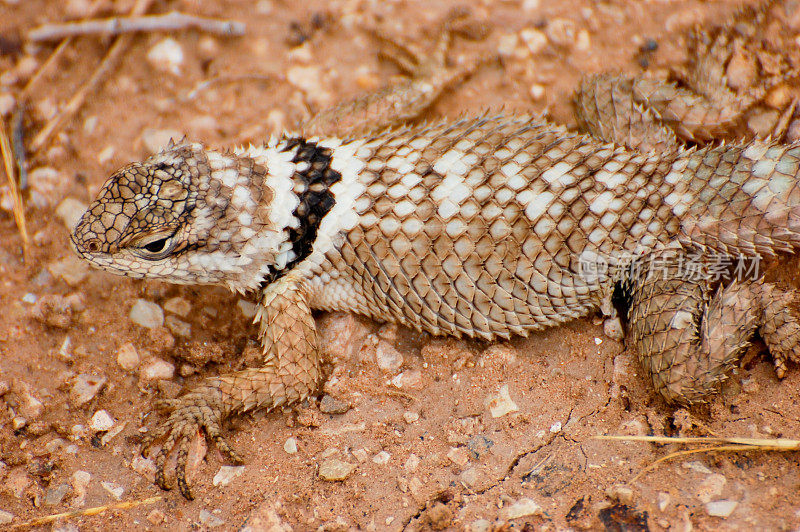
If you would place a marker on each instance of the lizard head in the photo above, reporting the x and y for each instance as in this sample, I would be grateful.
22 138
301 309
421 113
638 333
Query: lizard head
191 216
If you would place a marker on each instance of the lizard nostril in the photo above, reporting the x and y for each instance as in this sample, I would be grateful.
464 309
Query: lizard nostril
93 246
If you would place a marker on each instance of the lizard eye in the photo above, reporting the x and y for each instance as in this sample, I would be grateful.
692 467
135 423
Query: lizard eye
156 249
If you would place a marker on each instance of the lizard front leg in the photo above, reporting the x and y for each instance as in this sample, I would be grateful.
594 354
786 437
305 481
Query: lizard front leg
290 373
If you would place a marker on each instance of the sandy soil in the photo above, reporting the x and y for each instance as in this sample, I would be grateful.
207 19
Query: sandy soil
425 448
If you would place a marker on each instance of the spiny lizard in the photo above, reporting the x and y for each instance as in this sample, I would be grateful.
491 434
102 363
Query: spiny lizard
486 227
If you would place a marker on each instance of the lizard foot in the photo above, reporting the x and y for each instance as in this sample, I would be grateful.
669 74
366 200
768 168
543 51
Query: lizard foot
187 415
781 325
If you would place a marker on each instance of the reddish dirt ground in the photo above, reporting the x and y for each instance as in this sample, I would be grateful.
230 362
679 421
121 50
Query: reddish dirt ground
427 453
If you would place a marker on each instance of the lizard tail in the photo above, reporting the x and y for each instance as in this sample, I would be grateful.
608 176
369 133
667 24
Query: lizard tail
741 198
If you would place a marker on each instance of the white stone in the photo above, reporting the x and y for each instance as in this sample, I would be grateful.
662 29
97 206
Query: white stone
721 508
290 446
226 474
178 305
521 508
501 404
157 369
387 357
115 490
70 210
101 421
128 357
166 55
147 314
381 458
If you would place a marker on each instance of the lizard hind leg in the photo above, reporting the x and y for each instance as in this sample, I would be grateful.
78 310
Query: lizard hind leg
686 337
291 372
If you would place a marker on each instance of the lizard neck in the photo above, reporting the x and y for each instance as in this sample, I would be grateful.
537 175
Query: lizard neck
315 186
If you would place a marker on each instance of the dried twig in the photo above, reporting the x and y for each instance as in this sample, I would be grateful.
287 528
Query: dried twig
18 144
57 53
88 511
203 85
108 63
712 444
118 25
19 207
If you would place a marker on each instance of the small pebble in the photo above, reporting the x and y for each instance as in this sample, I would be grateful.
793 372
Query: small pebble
409 380
178 327
361 455
439 516
157 369
115 490
555 428
226 474
335 470
156 517
387 357
341 335
459 456
290 446
166 55
144 467
331 405
71 269
128 357
101 421
470 477
534 39
663 500
480 525
410 417
84 388
6 517
412 462
621 493
53 310
80 481
146 314
521 508
70 210
381 458
209 519
501 404
54 495
479 445
721 508
178 305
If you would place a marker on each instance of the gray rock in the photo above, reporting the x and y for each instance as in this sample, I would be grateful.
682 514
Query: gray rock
331 405
54 495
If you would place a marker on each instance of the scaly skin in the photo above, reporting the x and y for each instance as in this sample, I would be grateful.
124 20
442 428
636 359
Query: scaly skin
483 227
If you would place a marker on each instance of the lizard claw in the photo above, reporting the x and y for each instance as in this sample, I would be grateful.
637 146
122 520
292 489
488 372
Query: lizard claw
187 416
